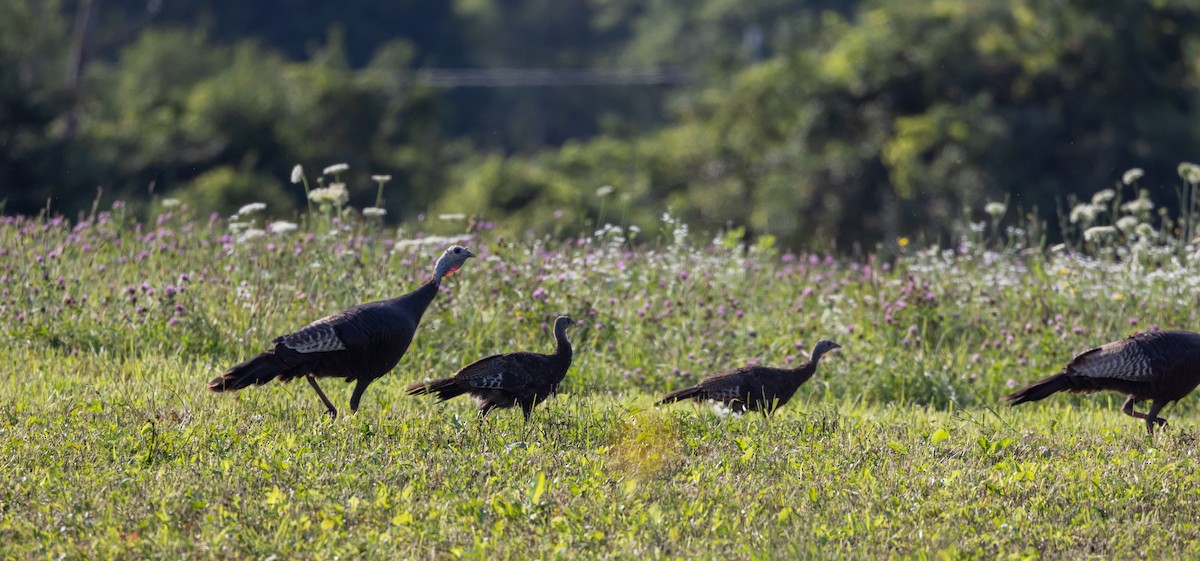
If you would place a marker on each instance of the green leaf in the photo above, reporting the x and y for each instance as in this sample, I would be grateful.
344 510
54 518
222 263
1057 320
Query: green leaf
538 488
939 435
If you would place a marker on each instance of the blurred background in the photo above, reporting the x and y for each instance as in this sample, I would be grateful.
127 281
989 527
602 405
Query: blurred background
826 123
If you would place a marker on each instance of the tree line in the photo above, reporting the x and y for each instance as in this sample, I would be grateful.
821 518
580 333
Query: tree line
818 122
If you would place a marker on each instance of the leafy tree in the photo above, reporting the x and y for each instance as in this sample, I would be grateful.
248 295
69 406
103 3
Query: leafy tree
184 113
904 115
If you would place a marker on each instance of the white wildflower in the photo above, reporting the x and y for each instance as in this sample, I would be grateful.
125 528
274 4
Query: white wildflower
171 203
251 234
1133 174
1085 213
1103 197
452 216
340 194
335 193
1138 206
610 231
1128 223
282 227
1146 231
336 169
605 191
381 178
236 227
1189 172
996 210
1098 234
320 195
251 209
297 174
374 211
431 240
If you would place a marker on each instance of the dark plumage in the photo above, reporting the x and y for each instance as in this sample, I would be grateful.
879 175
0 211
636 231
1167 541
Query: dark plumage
524 379
754 388
1161 366
361 343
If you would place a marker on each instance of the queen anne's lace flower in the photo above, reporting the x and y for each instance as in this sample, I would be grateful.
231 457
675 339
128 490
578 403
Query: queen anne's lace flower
336 169
252 208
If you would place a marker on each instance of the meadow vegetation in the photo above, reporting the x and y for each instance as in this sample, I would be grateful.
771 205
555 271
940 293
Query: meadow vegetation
898 446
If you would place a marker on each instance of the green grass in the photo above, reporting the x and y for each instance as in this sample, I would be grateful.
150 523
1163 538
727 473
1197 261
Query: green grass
898 446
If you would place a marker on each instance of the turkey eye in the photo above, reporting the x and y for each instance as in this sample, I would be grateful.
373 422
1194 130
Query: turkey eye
457 250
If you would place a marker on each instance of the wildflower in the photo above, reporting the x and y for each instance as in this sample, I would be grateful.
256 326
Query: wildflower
452 216
1127 224
996 210
374 211
1085 213
1133 174
1103 197
282 227
250 234
1138 205
605 191
335 193
1098 234
297 174
903 241
1144 230
336 169
171 203
381 178
1189 172
251 208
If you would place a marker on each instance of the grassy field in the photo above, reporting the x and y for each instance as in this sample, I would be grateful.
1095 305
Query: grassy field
898 447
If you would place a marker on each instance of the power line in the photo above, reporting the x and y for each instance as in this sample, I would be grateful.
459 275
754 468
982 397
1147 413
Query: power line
552 77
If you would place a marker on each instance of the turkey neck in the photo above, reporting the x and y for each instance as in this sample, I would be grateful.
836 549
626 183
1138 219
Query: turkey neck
802 373
420 298
562 347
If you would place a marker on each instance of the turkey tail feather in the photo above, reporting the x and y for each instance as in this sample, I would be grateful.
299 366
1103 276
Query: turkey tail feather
679 395
256 371
445 388
1040 389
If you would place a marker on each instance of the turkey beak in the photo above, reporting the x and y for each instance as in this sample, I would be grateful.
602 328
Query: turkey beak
468 252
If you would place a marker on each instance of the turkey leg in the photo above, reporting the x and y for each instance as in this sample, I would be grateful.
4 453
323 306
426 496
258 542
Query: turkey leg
1151 417
312 380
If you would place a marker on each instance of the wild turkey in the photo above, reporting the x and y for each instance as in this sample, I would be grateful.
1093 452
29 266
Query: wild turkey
754 388
1160 366
505 380
361 343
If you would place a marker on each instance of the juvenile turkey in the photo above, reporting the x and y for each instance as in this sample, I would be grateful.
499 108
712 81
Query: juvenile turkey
505 380
1160 366
754 388
361 343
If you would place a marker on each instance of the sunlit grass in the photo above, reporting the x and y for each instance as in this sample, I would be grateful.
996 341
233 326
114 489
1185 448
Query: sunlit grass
898 446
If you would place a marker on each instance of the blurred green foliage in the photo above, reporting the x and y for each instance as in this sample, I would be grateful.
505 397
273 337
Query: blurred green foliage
822 123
